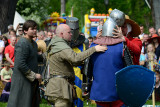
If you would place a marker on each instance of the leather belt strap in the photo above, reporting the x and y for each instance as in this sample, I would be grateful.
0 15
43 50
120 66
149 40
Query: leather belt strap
65 77
59 76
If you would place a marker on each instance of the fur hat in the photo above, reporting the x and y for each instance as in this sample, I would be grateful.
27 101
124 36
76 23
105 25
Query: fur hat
135 27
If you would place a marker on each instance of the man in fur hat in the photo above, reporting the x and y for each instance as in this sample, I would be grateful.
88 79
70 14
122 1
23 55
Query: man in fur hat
129 33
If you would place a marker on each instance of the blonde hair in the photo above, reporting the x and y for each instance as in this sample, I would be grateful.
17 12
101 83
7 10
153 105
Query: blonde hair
152 47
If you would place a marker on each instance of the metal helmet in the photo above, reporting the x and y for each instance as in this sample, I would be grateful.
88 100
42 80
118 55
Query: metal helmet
118 16
73 23
108 27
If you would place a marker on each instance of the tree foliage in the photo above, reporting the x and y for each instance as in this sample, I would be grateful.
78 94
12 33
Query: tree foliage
137 10
40 9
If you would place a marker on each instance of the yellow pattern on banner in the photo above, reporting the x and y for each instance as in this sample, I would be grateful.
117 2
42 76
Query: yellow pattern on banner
79 93
78 74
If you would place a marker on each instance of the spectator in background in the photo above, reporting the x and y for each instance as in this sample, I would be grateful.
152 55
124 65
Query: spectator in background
48 39
5 94
95 37
46 33
157 85
150 55
5 40
6 73
145 43
101 22
151 31
155 40
50 35
20 33
99 28
90 39
9 51
1 51
159 32
35 38
142 59
19 30
12 33
142 32
40 35
10 27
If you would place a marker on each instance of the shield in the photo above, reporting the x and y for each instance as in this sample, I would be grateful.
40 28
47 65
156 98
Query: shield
135 85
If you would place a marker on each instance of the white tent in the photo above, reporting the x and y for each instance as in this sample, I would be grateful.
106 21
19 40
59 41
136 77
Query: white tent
17 19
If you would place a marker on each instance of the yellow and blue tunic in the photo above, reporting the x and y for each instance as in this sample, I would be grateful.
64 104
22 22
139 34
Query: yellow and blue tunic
79 77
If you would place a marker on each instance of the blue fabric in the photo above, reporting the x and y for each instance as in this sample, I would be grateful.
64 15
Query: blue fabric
105 65
78 82
78 102
134 85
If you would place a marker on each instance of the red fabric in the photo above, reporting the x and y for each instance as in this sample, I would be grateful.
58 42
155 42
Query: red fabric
117 103
134 45
9 41
10 50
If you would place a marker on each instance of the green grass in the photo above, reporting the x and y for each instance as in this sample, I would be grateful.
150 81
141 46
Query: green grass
41 105
149 102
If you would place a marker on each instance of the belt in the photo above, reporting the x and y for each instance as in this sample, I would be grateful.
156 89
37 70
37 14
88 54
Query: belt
71 81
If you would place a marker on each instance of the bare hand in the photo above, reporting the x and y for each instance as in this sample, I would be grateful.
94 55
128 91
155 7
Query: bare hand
101 48
8 81
12 63
38 76
118 33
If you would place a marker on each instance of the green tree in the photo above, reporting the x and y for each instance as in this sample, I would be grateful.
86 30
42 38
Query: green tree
34 9
41 9
82 7
137 10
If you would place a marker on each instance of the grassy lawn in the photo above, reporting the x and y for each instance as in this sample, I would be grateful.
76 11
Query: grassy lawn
44 104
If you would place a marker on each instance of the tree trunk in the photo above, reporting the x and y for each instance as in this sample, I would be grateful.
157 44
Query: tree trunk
7 12
63 6
155 6
106 4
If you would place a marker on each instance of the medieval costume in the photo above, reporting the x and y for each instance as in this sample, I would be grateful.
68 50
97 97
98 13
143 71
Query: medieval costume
62 76
24 86
133 43
105 65
78 45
